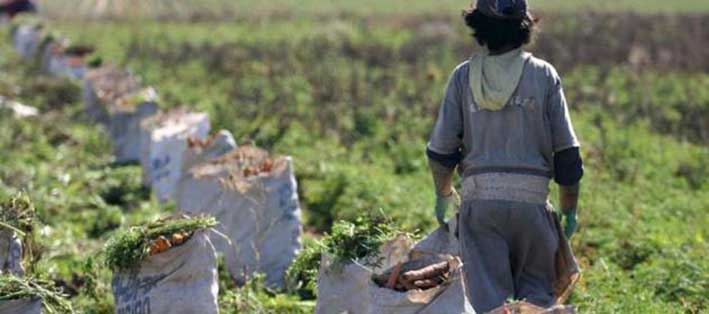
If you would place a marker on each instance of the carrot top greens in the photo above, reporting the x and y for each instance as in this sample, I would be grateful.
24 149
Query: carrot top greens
127 248
15 288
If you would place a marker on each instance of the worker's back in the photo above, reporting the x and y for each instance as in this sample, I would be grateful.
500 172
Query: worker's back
519 138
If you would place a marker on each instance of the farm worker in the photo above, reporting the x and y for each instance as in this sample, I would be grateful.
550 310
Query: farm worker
504 123
14 7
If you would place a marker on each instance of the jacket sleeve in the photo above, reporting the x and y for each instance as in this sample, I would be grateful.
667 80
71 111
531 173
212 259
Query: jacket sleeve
568 167
446 139
562 129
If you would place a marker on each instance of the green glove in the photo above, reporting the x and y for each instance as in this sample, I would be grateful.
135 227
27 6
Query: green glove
442 205
570 222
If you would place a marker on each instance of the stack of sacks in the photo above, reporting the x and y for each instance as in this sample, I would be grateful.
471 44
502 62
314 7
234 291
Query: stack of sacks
254 197
163 141
124 123
104 86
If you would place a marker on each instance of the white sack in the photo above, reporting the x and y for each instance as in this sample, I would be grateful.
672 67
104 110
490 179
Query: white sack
103 87
350 289
49 49
181 280
215 146
10 254
61 65
23 306
18 110
26 40
528 308
440 241
166 143
260 215
124 127
56 63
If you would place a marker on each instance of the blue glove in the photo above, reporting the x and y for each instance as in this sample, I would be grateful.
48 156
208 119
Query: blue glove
442 205
570 222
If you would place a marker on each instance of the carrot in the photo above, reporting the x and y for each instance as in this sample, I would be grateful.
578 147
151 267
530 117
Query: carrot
160 245
428 272
267 165
426 283
408 285
394 277
177 239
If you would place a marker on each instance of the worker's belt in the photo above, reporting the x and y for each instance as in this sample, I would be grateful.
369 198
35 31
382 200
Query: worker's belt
507 187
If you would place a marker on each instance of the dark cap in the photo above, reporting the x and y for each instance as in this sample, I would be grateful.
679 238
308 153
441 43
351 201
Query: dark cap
505 9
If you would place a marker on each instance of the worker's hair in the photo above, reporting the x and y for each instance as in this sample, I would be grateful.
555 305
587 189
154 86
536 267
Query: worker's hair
496 33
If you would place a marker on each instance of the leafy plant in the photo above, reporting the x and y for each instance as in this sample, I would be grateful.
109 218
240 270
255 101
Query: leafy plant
127 248
301 277
15 288
17 214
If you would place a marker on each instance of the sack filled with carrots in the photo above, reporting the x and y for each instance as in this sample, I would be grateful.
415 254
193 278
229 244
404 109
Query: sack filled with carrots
401 277
167 266
420 274
254 195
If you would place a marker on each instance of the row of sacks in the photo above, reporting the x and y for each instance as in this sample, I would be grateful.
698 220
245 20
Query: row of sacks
253 194
55 55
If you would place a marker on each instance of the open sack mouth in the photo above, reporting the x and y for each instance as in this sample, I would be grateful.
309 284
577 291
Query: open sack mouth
420 274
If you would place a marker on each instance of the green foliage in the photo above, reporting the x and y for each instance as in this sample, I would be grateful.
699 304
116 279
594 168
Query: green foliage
255 298
359 240
17 213
15 288
127 248
301 277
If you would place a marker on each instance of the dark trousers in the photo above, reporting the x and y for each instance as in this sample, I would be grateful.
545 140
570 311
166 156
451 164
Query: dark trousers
508 250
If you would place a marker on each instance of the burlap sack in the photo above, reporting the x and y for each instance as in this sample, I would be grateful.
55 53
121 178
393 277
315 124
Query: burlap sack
103 87
10 254
568 272
350 289
440 241
26 40
181 280
528 308
23 306
163 141
124 125
48 51
17 109
64 66
197 152
259 213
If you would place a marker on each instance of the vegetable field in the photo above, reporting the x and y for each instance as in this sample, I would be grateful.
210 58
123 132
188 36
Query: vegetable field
350 90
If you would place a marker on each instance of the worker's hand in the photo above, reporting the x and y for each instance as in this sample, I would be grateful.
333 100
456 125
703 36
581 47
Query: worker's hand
443 203
569 222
